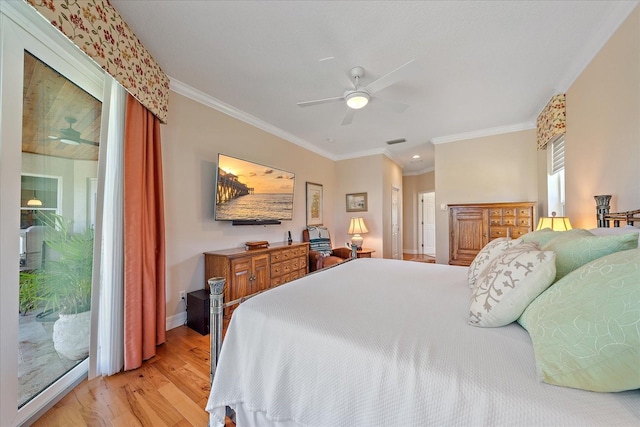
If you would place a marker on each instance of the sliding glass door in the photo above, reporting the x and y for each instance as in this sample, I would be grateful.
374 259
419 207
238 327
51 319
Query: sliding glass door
50 123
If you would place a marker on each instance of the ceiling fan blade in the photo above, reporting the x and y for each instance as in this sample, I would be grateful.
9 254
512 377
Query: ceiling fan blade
86 141
348 117
320 101
398 107
388 79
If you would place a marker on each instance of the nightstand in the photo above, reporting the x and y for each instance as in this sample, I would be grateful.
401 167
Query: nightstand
365 253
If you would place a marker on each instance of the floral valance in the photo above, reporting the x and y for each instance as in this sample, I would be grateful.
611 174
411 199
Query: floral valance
97 28
552 121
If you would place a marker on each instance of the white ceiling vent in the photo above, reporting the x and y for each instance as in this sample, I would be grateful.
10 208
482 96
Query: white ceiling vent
396 141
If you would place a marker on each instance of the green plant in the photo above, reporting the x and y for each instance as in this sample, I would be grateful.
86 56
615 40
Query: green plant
66 281
29 291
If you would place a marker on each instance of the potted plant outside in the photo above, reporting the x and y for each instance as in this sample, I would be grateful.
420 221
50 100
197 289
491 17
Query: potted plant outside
66 286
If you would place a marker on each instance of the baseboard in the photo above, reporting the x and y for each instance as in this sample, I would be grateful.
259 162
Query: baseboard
410 251
176 320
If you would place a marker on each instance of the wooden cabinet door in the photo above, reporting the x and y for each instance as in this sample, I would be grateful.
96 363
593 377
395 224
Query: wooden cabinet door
469 233
261 273
241 274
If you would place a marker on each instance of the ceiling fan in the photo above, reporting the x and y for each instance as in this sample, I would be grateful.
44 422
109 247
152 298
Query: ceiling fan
71 136
359 96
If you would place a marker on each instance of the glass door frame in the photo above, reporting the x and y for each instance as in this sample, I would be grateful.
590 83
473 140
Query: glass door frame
22 28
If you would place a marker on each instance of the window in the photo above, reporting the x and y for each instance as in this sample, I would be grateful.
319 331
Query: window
555 177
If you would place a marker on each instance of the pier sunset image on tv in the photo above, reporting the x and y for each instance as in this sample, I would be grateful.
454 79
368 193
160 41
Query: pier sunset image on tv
248 191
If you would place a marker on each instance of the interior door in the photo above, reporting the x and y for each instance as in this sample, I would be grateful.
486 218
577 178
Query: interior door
395 224
429 224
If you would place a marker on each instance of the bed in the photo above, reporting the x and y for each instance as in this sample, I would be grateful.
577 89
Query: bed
378 342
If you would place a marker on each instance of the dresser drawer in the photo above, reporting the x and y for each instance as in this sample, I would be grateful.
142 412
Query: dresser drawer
524 222
522 212
495 212
276 269
495 221
497 232
276 256
509 212
510 221
519 232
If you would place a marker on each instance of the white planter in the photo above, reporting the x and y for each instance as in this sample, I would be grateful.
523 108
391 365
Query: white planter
71 335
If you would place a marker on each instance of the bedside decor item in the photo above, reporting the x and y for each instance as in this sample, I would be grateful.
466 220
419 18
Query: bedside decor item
556 223
259 244
314 203
357 202
357 227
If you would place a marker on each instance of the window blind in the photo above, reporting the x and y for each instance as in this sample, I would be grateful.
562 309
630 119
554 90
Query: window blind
557 156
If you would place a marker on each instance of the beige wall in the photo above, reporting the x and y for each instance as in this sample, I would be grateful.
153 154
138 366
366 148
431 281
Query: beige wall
602 145
361 175
191 143
499 168
412 185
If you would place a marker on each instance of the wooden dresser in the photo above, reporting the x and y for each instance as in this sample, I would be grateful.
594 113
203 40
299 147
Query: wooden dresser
472 226
250 271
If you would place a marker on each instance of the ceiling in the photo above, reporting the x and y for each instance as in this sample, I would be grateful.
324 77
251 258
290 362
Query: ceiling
480 68
52 104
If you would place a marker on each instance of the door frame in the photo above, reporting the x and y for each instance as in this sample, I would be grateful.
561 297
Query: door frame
22 28
421 222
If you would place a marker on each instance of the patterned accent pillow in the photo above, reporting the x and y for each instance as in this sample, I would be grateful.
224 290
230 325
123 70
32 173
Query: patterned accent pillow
509 283
487 254
319 240
585 328
573 251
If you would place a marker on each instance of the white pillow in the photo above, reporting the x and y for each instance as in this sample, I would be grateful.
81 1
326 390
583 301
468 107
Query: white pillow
509 283
488 254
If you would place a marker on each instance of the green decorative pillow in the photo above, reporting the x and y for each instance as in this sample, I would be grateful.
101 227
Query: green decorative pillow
509 283
586 327
541 237
573 252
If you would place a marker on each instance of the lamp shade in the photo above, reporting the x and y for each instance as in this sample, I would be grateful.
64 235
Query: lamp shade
556 223
34 202
357 99
356 226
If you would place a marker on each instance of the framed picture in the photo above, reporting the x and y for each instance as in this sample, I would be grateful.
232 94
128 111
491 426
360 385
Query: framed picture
357 202
314 203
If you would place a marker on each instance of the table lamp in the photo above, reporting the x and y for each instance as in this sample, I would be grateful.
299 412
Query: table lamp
556 223
357 227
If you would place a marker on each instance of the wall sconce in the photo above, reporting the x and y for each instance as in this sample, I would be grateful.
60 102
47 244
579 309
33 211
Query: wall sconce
357 227
556 223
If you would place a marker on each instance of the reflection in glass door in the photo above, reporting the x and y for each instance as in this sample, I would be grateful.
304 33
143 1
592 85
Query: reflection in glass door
60 135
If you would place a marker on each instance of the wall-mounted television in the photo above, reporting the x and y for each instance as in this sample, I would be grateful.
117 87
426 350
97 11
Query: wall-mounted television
249 193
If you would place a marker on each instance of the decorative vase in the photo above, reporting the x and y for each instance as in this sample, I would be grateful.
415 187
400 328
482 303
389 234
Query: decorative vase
71 335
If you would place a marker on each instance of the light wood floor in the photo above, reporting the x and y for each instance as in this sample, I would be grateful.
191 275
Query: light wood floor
171 389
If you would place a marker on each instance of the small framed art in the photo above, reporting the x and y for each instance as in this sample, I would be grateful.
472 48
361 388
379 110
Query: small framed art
314 203
357 202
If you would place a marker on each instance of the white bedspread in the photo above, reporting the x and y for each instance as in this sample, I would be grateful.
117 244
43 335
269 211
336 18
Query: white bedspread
377 342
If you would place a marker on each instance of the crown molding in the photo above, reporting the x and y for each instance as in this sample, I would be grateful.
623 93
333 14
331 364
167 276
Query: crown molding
208 100
483 132
419 172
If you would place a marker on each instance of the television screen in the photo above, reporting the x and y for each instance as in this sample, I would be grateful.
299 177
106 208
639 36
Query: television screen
250 191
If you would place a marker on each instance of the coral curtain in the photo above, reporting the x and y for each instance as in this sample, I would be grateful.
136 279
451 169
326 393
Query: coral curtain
144 246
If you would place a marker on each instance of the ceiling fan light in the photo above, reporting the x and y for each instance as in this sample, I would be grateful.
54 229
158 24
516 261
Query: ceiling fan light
34 202
357 100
